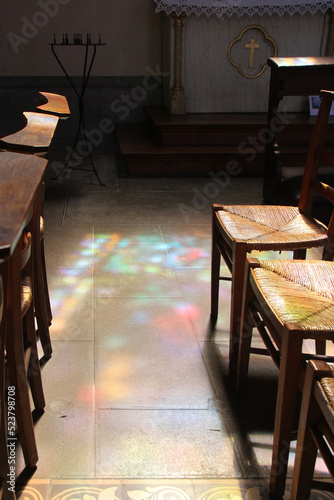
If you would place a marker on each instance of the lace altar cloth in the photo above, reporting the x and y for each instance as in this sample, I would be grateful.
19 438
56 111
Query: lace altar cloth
240 7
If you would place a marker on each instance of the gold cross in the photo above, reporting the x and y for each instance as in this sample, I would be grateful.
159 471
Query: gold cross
252 45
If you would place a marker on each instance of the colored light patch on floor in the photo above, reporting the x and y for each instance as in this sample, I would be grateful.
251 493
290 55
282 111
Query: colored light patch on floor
111 258
187 252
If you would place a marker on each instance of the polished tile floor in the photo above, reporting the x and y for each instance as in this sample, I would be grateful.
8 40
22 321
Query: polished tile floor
139 401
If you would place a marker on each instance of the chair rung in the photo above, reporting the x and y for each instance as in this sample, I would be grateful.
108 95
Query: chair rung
260 325
259 350
225 278
320 357
322 485
323 448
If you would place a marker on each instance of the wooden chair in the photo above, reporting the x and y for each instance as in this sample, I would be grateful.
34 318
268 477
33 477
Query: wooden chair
239 229
21 347
35 138
289 301
316 429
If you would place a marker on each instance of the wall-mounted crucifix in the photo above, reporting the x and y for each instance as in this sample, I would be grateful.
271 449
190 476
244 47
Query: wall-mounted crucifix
252 46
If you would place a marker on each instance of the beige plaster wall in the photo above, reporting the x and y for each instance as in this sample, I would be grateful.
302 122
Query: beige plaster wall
130 28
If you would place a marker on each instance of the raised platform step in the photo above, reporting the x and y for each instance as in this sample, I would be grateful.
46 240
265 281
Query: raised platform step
197 144
144 157
203 128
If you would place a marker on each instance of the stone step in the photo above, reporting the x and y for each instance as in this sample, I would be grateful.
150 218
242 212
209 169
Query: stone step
197 144
143 156
203 128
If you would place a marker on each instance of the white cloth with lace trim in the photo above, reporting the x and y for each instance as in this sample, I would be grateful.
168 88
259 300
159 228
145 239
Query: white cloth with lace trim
240 7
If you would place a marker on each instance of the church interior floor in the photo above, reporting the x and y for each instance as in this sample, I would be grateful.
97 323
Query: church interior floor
140 404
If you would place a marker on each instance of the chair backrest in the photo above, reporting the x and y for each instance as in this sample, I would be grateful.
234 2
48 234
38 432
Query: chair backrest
319 154
35 137
55 104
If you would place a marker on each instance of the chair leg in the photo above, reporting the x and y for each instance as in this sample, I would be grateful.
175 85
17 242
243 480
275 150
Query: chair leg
41 292
6 492
16 361
46 287
300 254
33 373
42 303
320 347
306 452
245 338
18 379
215 270
215 266
238 274
285 408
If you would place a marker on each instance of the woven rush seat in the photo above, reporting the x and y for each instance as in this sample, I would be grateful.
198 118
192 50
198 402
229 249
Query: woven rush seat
271 227
289 301
327 387
300 292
